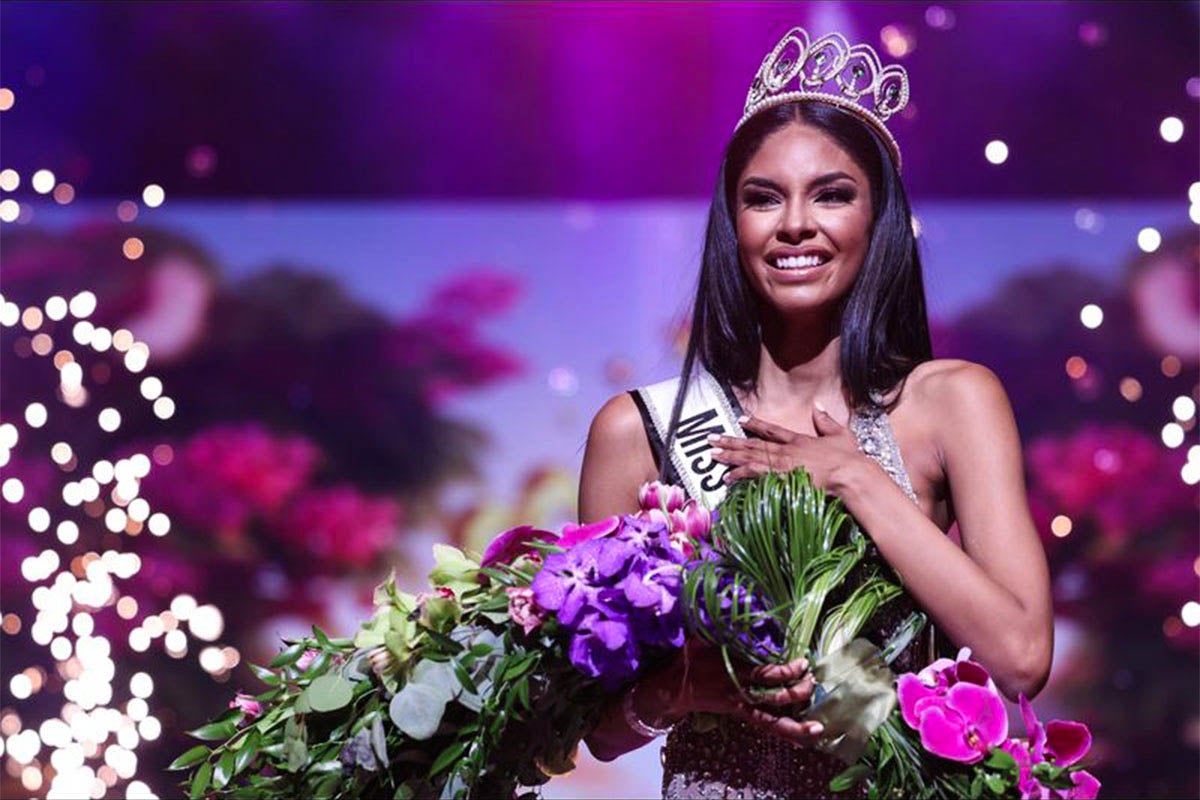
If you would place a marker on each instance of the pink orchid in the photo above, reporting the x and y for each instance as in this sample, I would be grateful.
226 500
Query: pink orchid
693 520
1086 786
577 534
246 703
655 495
514 542
523 609
963 725
1060 742
936 680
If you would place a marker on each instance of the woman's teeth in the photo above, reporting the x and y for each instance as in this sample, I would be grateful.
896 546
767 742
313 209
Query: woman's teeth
799 262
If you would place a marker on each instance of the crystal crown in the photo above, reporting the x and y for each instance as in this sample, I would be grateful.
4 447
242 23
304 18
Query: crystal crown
829 69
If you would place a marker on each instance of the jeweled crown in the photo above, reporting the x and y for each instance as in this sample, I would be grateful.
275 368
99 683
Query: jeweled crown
829 69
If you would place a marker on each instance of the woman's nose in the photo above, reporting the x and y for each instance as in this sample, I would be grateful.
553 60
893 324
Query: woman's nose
796 222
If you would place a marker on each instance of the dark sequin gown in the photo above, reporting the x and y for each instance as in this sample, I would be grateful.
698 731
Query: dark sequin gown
736 760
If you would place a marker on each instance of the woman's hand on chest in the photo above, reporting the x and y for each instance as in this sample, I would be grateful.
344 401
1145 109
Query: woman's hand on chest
830 457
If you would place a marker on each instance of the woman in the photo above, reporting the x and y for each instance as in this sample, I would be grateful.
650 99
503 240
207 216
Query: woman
810 317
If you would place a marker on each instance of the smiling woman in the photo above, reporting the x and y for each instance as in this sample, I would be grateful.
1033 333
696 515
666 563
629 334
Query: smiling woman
809 328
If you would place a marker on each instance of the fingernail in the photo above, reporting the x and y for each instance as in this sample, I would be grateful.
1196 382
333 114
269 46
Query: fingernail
743 419
718 450
817 727
712 437
820 407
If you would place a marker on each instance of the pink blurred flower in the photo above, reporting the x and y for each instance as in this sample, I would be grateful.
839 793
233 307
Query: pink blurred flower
1060 742
225 475
1118 477
523 609
340 525
246 703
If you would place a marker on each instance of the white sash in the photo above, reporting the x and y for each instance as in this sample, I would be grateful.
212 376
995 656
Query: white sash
705 410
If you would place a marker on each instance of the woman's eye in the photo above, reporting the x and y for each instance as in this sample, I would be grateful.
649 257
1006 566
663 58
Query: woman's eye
758 199
841 195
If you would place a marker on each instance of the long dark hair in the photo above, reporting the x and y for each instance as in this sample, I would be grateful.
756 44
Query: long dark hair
884 327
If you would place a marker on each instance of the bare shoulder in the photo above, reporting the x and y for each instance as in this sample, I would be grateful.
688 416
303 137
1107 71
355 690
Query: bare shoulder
946 384
617 460
954 396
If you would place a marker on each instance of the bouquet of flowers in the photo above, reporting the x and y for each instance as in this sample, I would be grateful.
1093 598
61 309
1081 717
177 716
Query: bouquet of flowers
489 681
485 683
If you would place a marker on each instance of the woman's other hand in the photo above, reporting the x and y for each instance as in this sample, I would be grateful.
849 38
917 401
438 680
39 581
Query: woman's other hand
697 682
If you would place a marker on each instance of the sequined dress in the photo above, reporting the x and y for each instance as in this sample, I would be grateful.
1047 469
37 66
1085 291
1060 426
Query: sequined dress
737 760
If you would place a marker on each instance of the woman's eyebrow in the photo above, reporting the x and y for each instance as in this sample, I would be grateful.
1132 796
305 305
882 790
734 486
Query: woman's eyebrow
821 180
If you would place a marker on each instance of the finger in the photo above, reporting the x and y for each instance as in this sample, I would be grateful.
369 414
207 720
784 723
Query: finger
788 728
780 674
791 695
733 442
825 424
745 472
733 456
768 430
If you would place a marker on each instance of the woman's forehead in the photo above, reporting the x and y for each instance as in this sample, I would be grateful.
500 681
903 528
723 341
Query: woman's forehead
800 153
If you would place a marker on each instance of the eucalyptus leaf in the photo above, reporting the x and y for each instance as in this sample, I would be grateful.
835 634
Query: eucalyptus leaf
297 754
201 780
329 693
437 676
417 710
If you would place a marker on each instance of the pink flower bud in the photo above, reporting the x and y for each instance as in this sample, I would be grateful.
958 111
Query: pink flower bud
523 609
246 703
661 495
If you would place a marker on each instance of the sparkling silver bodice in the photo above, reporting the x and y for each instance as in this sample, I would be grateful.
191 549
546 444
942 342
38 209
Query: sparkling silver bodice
734 759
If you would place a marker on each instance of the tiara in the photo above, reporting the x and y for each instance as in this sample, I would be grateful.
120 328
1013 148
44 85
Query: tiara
832 71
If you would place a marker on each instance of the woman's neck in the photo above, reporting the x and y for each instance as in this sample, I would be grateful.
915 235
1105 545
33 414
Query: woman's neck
798 366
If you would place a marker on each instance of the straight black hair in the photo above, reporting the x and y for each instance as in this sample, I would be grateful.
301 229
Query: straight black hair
884 326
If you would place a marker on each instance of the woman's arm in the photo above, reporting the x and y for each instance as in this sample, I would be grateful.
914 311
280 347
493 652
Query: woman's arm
994 594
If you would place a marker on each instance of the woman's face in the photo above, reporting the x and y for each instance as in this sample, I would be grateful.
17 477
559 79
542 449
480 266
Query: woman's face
802 194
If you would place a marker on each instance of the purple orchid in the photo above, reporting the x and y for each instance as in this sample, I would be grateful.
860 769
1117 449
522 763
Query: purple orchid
514 542
570 582
1057 742
604 649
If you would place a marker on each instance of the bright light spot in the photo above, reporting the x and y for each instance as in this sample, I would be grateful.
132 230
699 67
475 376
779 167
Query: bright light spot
1184 408
10 313
176 643
9 180
10 210
139 640
897 41
60 453
153 195
133 248
7 98
939 17
114 520
60 648
137 709
110 419
212 660
8 435
43 181
159 524
164 408
83 624
35 415
139 509
122 340
136 358
39 519
64 193
56 308
151 388
1091 316
140 465
13 490
1194 193
1190 473
20 686
72 493
996 151
1172 434
1171 129
82 305
183 605
83 332
150 728
206 623
1148 239
101 339
1190 613
68 532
